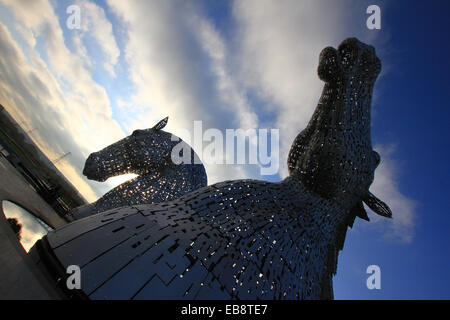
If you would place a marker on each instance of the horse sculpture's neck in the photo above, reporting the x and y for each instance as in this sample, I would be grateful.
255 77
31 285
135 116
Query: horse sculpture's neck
170 183
242 239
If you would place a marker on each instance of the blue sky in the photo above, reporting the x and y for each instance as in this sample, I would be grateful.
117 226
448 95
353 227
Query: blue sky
415 97
247 64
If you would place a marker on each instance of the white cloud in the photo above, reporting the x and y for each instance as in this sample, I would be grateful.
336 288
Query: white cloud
228 91
178 65
29 94
386 188
59 98
95 24
279 46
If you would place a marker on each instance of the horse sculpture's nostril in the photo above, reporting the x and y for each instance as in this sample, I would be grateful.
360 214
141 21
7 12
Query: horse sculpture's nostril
86 171
89 167
328 69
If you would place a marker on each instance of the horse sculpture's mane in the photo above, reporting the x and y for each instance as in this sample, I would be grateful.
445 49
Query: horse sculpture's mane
159 178
244 239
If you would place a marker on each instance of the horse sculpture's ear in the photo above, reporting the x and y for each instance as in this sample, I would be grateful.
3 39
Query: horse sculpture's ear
161 124
377 206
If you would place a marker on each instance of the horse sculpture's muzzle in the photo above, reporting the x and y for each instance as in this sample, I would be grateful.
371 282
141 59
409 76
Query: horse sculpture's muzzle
91 168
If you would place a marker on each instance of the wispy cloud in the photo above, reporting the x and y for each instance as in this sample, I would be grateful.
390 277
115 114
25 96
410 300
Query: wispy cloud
386 187
229 92
178 65
95 25
57 95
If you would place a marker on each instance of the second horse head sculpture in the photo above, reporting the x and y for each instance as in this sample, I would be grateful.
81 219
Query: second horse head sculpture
148 154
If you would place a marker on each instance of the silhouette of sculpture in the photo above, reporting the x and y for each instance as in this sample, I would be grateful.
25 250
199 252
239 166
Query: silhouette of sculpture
148 154
244 239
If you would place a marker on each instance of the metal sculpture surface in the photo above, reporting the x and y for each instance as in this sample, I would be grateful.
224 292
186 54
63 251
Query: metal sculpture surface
245 239
148 154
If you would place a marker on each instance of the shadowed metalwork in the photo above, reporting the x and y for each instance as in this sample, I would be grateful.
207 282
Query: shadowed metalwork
246 239
148 154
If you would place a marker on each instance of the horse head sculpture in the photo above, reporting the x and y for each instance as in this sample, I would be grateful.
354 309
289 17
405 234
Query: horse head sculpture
142 152
244 239
333 155
146 153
